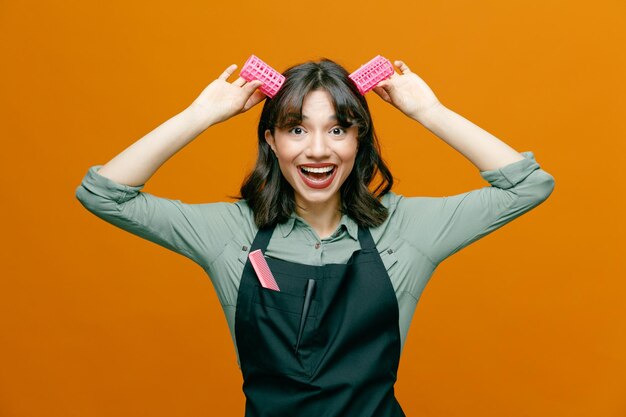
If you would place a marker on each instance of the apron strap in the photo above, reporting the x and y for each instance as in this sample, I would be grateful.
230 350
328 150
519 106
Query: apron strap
262 238
365 238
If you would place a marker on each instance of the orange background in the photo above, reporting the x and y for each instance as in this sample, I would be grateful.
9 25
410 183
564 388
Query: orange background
528 321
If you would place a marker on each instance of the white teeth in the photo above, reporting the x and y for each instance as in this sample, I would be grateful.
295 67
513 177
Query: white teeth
318 170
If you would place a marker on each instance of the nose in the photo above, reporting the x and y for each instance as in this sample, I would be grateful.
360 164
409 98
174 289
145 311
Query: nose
318 146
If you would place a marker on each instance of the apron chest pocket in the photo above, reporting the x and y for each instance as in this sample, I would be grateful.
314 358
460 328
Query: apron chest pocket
275 320
281 300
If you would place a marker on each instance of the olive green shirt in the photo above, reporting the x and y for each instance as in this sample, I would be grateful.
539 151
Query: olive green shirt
418 234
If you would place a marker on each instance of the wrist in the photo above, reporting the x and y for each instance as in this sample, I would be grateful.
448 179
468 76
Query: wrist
427 116
199 117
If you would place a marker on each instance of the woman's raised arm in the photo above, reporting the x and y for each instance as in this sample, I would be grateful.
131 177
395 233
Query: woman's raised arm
218 102
441 226
412 96
197 231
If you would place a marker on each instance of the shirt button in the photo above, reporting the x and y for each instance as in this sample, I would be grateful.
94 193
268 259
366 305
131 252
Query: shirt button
317 245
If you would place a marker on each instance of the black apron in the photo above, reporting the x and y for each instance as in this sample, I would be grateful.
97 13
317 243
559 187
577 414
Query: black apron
347 360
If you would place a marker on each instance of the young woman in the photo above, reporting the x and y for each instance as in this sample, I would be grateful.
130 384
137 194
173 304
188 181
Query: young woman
313 206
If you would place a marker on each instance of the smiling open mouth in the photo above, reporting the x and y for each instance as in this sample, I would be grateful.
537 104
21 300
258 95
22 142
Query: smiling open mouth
318 174
318 178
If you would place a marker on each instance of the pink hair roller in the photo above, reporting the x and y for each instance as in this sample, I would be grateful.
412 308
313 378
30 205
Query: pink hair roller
255 69
372 73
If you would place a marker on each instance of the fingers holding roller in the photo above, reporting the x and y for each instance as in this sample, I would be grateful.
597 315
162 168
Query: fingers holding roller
252 86
380 90
253 100
239 82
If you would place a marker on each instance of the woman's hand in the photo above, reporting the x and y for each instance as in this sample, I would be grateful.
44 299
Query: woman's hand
221 100
408 93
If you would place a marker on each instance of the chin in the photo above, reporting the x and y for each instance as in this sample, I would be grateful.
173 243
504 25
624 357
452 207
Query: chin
317 197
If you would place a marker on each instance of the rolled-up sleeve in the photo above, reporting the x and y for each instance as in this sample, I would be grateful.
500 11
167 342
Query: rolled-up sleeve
197 231
441 226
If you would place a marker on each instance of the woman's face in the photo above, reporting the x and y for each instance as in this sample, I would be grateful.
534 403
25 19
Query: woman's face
317 155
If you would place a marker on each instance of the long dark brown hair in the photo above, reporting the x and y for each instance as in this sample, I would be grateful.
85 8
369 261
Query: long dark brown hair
268 193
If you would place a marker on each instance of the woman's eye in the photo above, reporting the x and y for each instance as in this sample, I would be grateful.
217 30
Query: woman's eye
298 131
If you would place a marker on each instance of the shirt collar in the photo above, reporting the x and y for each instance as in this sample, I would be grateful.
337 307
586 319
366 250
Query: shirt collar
346 221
